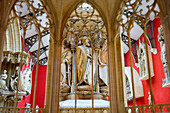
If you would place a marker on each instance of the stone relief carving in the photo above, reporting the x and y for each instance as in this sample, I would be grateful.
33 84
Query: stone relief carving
142 59
143 64
163 55
9 79
128 90
14 80
27 79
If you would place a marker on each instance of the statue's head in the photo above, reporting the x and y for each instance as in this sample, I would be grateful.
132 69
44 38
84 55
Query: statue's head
5 71
17 68
87 42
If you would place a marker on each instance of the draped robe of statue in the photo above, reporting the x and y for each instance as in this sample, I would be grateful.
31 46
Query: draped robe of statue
103 67
66 58
84 65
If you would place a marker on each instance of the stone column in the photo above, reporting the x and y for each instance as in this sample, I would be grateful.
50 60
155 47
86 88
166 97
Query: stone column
55 82
112 75
119 75
97 71
49 75
73 70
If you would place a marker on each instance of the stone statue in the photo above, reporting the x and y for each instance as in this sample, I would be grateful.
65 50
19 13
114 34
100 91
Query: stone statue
149 98
3 81
37 107
27 79
66 59
103 67
14 80
163 53
84 63
142 58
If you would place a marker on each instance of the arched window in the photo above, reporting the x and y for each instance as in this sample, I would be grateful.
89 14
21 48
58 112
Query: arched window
84 70
25 53
141 49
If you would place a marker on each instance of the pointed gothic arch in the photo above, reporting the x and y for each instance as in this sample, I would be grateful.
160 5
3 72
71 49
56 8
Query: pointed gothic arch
27 18
85 34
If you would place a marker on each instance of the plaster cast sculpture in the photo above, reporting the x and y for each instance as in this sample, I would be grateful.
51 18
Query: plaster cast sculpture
14 80
27 79
142 59
149 98
37 107
163 54
66 59
24 82
103 67
3 78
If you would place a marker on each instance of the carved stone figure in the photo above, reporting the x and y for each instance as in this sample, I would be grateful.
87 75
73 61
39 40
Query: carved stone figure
103 68
27 79
66 59
142 59
14 80
149 98
84 64
3 81
163 53
37 107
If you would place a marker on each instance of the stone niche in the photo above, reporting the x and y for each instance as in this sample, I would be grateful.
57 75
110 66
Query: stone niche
143 64
9 78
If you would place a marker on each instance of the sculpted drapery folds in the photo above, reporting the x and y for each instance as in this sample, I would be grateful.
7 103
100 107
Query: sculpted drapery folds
103 68
66 59
84 62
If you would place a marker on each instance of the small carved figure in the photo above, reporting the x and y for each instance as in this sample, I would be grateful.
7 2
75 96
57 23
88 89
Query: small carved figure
163 53
27 79
84 64
66 62
3 81
37 107
14 80
149 98
142 59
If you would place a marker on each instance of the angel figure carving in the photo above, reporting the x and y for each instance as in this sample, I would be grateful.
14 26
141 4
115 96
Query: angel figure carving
3 81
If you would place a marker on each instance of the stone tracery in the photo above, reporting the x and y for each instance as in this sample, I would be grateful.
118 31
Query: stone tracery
84 53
